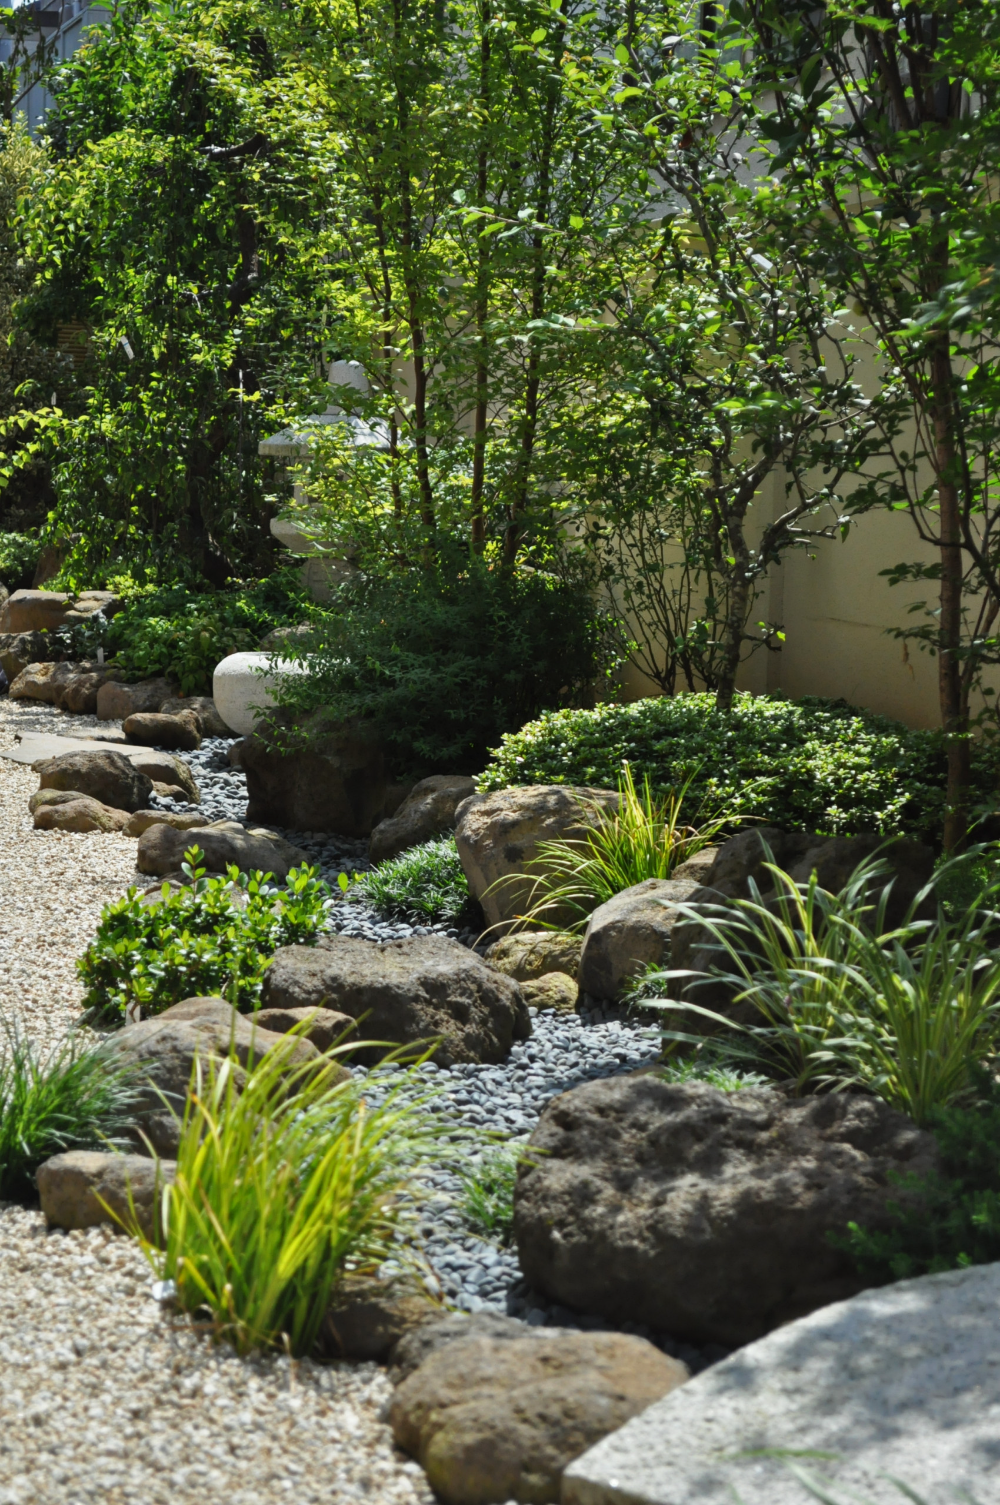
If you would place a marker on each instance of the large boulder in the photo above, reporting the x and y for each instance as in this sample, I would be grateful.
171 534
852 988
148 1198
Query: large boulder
83 1188
427 811
631 932
492 1420
116 701
77 812
164 1049
701 1213
897 1384
405 992
19 649
107 776
327 776
225 843
527 955
155 729
498 836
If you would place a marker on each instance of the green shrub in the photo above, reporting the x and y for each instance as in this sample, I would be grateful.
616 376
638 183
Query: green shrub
425 884
488 1192
73 1098
214 935
445 664
948 1220
816 765
19 553
279 1187
184 633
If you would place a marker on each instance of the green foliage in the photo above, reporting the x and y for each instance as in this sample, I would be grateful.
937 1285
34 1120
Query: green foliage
445 662
905 1012
425 883
18 557
214 935
810 764
950 1219
488 1193
184 633
73 1098
282 1187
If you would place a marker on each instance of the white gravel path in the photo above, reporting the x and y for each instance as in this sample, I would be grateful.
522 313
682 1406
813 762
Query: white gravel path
104 1398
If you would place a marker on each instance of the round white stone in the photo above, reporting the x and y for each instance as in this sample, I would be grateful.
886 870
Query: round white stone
244 682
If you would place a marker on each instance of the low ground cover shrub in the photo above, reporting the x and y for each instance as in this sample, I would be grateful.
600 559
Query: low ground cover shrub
811 764
74 1098
488 1192
19 554
184 633
281 1187
444 661
213 936
425 884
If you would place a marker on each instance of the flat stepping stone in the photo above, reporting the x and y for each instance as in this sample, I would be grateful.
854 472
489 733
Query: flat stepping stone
35 745
902 1382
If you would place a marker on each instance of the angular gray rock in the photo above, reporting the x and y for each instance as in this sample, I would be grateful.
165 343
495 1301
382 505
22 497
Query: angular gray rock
899 1383
701 1213
161 849
492 1420
106 776
498 836
325 1025
404 992
427 811
156 729
165 1048
330 777
73 1186
527 955
631 932
116 701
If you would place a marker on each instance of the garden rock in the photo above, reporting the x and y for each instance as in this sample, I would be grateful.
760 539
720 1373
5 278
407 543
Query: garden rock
73 1186
41 611
527 955
44 682
325 1025
116 701
143 819
368 1316
243 687
155 729
701 1213
418 1344
106 776
631 932
556 990
492 1420
499 834
281 635
332 779
79 694
19 649
166 768
405 992
164 1048
225 842
899 1383
78 813
210 723
698 867
427 811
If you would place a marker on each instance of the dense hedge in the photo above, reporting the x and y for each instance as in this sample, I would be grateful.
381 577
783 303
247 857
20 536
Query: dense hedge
809 764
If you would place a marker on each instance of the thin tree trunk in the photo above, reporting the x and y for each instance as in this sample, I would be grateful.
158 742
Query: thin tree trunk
736 616
952 687
482 298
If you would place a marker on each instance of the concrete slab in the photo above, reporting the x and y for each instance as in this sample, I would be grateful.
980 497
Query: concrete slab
35 745
900 1383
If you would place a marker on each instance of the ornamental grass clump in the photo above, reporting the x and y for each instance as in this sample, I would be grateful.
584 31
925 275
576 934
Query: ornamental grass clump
281 1188
75 1098
645 837
906 1012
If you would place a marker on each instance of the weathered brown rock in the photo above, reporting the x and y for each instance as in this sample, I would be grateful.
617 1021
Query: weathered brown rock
41 610
325 1025
79 694
168 769
368 1317
116 701
555 990
155 729
107 776
498 836
631 932
427 811
331 778
701 1213
19 649
83 1188
44 682
165 1048
495 1420
405 992
78 813
143 819
418 1344
527 955
224 843
210 723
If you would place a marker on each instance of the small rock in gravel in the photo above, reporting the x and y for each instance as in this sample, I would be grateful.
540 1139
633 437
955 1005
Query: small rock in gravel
553 991
82 1188
154 729
161 849
210 723
530 954
78 813
143 819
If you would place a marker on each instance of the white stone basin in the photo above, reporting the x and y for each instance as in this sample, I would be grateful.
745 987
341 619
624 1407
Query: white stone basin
244 680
